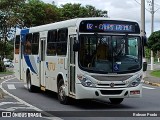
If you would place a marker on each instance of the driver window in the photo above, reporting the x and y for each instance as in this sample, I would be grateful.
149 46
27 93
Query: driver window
132 47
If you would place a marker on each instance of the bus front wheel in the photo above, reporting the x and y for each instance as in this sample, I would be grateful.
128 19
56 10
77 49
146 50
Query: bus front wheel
61 93
116 100
30 87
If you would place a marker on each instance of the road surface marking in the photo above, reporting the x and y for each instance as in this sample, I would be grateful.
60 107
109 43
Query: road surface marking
13 82
4 103
25 86
148 88
27 104
11 87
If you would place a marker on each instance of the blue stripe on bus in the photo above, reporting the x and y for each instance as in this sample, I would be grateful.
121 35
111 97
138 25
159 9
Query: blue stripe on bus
23 34
26 57
33 62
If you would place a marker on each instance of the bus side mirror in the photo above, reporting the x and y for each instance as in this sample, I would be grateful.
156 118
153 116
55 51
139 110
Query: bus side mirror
144 66
76 46
144 40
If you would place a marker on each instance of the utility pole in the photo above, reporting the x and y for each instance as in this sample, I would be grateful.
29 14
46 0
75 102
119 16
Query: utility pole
142 17
143 25
152 29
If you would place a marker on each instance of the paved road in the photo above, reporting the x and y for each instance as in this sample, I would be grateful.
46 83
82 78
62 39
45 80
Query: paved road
48 102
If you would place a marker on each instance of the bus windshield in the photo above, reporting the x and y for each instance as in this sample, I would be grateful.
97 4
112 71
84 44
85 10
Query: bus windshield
110 54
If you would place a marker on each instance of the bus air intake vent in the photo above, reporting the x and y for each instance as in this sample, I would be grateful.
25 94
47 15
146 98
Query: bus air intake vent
111 92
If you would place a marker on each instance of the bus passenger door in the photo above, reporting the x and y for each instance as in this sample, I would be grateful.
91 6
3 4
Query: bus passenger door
21 61
72 66
42 63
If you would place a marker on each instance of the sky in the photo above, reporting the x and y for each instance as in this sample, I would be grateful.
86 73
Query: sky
124 9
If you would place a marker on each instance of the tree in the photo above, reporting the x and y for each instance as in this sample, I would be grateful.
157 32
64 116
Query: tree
8 20
69 11
93 12
36 12
154 41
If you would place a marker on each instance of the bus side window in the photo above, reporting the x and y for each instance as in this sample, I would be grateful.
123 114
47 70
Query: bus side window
28 47
35 43
17 44
51 42
62 41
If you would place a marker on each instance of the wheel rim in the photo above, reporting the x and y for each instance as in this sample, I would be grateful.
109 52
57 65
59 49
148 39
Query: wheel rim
62 92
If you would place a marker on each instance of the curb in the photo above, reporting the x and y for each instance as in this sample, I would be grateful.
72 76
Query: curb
152 83
2 78
6 77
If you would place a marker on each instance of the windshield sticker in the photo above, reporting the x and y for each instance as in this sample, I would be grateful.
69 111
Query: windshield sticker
116 67
118 63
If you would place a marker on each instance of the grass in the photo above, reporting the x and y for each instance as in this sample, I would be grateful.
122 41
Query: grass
7 72
156 73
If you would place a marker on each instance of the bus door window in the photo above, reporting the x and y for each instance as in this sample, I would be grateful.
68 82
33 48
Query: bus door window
35 43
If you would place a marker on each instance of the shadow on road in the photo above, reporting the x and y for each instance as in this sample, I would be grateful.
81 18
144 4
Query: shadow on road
87 104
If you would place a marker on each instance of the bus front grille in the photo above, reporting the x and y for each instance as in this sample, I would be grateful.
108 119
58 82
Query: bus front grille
112 78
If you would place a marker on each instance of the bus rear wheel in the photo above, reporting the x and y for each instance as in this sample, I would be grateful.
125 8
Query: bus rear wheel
63 99
116 100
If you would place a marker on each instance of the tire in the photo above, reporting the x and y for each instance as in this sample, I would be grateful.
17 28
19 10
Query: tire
116 101
30 87
63 99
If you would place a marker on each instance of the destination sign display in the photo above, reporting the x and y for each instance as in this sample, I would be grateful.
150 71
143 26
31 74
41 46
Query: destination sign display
109 26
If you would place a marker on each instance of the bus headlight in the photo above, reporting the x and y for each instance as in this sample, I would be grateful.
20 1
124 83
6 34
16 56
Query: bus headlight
86 82
135 82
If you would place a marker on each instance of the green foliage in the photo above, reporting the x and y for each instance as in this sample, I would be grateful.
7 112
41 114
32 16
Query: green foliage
8 19
28 13
9 11
154 41
69 11
9 48
2 67
147 53
36 12
156 73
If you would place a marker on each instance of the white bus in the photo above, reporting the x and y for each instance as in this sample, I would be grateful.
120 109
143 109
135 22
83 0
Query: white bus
83 58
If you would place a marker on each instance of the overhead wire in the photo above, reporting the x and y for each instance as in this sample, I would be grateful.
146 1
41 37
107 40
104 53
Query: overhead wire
150 2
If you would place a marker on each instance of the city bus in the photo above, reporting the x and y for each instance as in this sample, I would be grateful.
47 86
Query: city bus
84 58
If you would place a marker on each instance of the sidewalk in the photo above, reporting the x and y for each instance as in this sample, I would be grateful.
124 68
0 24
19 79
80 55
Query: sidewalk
155 81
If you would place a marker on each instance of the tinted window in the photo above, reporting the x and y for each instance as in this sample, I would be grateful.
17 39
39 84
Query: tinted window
17 44
62 42
57 42
51 42
28 47
35 43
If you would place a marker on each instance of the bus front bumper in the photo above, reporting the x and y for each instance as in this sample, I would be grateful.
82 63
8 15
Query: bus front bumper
103 93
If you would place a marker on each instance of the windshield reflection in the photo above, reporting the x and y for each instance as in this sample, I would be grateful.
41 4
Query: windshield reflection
99 53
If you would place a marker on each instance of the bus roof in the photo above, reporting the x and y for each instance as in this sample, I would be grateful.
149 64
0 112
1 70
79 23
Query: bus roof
68 23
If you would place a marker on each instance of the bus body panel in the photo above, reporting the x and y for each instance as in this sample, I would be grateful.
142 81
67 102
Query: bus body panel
90 93
45 69
17 66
